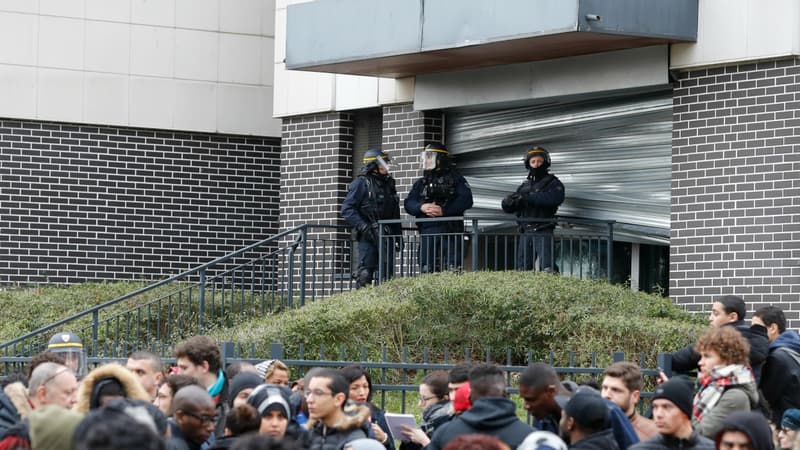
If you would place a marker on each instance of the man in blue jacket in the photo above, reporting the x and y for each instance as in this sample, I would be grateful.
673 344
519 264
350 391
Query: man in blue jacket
441 192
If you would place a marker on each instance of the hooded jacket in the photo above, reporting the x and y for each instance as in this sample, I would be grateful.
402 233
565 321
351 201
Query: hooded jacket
685 360
602 440
780 376
754 425
740 397
130 384
664 442
18 395
8 413
493 416
353 425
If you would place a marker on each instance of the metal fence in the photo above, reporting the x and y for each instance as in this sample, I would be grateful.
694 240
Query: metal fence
297 266
394 382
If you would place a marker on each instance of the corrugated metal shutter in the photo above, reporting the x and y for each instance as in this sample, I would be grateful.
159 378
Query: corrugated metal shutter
613 156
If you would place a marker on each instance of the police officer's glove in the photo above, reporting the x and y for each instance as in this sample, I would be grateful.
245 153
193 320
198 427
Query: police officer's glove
369 232
511 203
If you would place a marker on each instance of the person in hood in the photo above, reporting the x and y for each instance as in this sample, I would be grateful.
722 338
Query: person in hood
434 398
745 430
105 383
492 413
331 424
780 375
584 423
726 382
277 413
727 311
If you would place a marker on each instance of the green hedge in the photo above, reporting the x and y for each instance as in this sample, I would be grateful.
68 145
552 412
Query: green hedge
522 311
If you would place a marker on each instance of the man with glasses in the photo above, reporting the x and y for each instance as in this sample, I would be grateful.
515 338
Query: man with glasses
50 384
194 419
331 426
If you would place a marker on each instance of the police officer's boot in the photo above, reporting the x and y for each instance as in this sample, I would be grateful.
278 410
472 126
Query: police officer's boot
363 278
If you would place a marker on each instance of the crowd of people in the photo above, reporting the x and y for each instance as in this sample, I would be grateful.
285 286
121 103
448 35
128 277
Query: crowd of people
744 397
442 192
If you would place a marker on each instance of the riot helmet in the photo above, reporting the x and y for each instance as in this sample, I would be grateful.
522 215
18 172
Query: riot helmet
70 346
375 158
537 151
435 156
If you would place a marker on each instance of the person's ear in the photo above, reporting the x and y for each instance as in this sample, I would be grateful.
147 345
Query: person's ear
340 398
635 395
204 365
570 424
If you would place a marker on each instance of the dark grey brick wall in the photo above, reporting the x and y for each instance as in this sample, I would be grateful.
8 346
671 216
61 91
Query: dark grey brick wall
82 202
736 186
405 134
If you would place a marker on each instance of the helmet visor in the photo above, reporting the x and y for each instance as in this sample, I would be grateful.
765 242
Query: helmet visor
428 160
384 163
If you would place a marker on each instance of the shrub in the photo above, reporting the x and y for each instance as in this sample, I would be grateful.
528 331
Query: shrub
522 311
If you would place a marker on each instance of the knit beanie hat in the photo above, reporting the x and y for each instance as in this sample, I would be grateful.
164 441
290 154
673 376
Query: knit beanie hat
270 397
679 391
242 381
791 419
53 427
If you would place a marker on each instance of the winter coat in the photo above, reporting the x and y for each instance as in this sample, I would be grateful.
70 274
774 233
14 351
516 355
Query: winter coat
8 413
742 397
493 416
663 442
685 360
433 418
133 389
18 394
780 376
602 440
354 425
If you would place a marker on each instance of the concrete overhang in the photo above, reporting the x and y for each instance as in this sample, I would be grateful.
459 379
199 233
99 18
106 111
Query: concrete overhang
399 38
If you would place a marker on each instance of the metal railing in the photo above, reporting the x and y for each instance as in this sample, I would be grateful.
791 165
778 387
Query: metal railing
301 265
393 377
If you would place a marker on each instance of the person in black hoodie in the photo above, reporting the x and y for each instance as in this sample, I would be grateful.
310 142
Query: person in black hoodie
584 423
491 413
780 376
745 430
728 310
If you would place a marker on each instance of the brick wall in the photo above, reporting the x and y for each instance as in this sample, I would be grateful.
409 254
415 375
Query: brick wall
405 134
82 202
736 186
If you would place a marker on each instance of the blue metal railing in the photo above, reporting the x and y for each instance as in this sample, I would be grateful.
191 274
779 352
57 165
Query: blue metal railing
300 265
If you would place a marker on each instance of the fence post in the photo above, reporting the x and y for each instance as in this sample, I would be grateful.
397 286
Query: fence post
664 361
303 255
475 232
95 326
276 351
201 307
226 352
610 252
618 356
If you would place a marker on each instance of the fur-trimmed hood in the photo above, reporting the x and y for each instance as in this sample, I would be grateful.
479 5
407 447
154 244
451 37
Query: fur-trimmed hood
133 389
355 415
18 394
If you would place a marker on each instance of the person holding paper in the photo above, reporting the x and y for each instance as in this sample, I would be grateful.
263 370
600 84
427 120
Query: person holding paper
435 403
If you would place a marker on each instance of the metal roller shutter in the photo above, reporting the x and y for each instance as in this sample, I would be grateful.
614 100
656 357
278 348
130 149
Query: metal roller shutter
612 154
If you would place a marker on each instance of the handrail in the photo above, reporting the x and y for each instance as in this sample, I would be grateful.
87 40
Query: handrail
95 309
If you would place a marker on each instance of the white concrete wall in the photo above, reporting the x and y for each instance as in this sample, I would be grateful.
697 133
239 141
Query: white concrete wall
195 65
741 30
298 92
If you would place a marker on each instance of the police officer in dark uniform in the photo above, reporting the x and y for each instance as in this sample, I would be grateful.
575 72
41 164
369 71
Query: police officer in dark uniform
441 192
372 197
537 198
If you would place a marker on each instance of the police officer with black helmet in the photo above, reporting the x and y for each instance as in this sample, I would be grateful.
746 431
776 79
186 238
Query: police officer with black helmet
372 196
441 192
70 346
538 197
